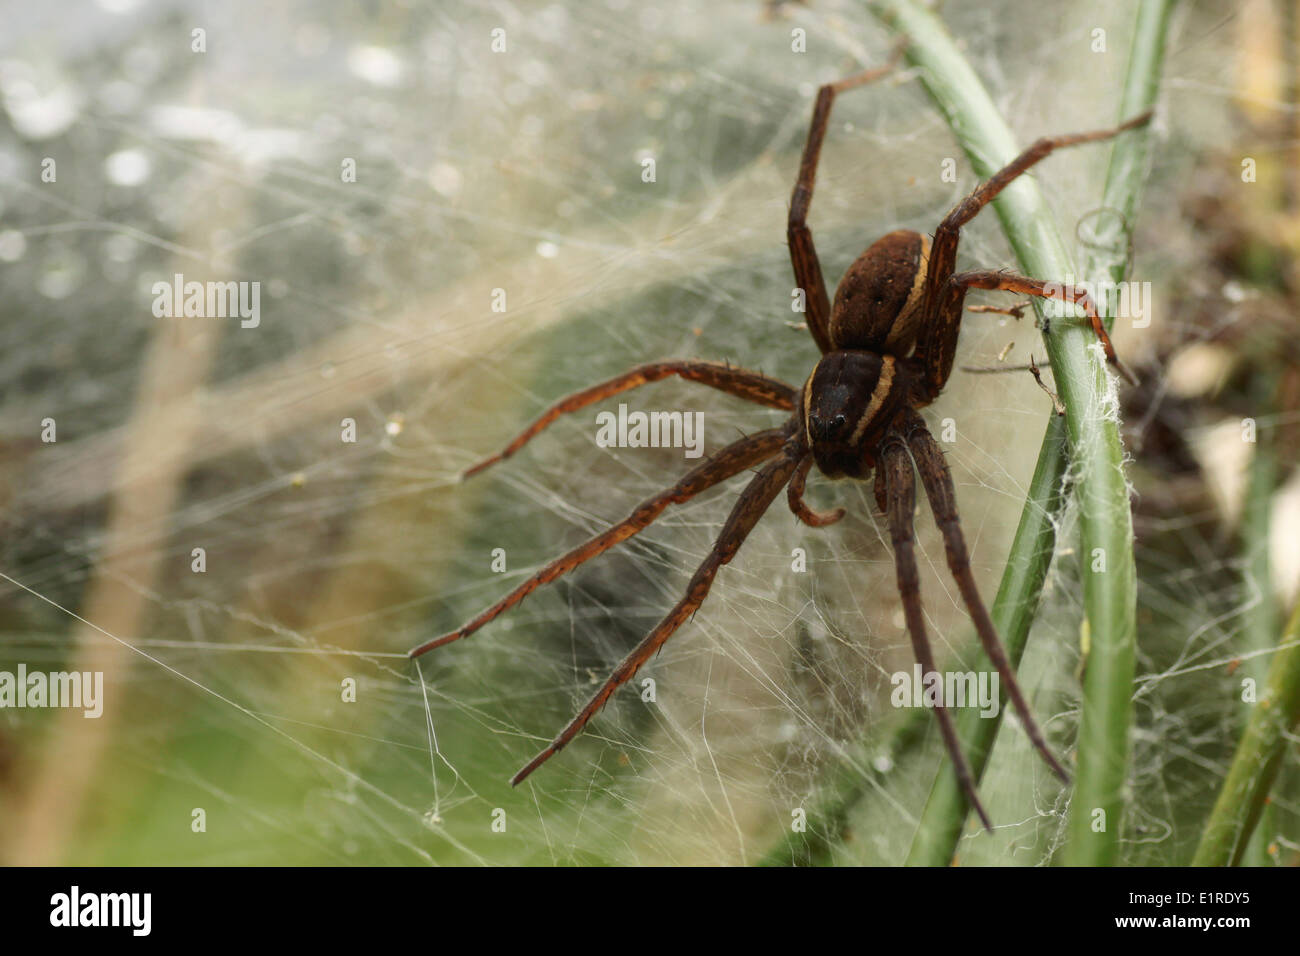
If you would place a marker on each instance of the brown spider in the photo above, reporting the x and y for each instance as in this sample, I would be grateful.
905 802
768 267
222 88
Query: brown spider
888 345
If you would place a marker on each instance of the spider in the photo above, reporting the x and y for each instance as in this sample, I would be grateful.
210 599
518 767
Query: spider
888 342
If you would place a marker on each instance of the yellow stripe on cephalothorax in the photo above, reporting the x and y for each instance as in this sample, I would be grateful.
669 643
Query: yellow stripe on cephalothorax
884 385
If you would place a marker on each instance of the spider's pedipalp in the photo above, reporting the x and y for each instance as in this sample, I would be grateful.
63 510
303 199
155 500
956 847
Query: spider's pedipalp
750 506
805 513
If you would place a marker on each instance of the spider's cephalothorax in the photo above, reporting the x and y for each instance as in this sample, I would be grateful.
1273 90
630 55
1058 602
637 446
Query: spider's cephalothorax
853 395
849 401
887 345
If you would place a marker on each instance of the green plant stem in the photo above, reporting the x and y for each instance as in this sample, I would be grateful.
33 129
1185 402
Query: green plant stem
1106 525
1096 454
1258 756
1262 622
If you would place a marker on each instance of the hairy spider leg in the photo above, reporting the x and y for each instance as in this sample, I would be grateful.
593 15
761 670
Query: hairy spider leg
803 254
753 502
937 481
936 345
751 386
1007 282
728 462
899 493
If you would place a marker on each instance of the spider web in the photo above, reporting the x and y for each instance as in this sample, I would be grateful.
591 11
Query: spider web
271 690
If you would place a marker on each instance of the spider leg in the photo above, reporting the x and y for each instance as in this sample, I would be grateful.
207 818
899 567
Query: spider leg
1007 282
803 254
1016 311
794 492
937 480
728 462
751 386
753 502
936 344
899 492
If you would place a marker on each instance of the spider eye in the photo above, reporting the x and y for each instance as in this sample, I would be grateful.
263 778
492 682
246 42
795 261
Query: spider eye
828 428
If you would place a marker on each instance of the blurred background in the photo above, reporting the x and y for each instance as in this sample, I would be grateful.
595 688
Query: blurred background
381 170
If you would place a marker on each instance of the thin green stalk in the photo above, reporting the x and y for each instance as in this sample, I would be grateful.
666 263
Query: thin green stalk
1106 525
1262 622
1258 756
1096 454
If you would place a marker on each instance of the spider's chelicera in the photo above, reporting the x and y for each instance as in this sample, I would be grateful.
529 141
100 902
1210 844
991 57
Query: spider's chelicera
888 343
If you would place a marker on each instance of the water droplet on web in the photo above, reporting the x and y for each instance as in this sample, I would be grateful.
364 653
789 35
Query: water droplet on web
127 167
445 179
13 245
40 107
376 65
548 250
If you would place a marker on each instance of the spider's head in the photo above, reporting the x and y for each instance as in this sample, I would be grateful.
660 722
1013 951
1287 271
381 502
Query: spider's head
878 302
848 402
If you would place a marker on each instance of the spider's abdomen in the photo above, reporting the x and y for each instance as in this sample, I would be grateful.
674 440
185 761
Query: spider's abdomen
878 302
848 402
